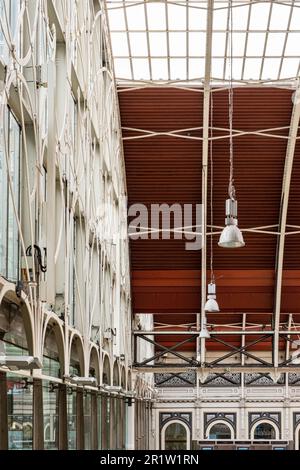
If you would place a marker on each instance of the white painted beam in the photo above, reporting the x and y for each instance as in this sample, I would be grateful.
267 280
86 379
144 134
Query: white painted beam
285 193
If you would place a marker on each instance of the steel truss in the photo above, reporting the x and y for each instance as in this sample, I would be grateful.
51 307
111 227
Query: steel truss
221 363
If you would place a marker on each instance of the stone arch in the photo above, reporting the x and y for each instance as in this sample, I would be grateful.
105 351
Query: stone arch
116 374
178 422
76 355
123 378
21 305
53 335
106 373
271 424
94 369
224 423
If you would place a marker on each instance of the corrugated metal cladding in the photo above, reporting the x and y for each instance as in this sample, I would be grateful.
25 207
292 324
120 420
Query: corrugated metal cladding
166 169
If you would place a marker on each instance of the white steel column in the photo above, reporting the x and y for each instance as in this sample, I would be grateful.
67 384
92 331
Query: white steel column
286 181
205 143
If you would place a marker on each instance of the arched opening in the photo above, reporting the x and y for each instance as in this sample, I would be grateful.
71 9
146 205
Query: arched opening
76 357
106 379
16 334
94 364
266 431
53 351
220 430
116 374
123 378
175 436
53 366
16 339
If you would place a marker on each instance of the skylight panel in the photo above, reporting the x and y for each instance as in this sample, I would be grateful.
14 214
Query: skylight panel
289 68
176 17
178 69
259 16
197 17
177 44
136 18
117 19
275 44
141 69
237 66
252 69
270 69
173 42
122 68
280 17
197 44
218 44
255 44
220 16
240 17
156 14
138 44
217 68
293 44
196 68
238 43
158 44
159 69
295 20
119 44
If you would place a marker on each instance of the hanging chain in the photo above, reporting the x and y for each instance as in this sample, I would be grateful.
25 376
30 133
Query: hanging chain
231 188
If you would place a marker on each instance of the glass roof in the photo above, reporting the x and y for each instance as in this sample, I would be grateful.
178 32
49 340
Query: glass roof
165 40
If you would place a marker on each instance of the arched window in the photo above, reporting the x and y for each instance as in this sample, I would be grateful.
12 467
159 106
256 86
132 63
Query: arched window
53 350
94 364
220 430
264 431
176 436
76 357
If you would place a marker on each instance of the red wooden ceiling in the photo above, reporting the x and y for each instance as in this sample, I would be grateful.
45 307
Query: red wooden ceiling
166 169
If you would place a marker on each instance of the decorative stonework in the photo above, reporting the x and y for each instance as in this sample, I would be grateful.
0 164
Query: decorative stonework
184 379
211 417
296 419
262 379
169 416
254 418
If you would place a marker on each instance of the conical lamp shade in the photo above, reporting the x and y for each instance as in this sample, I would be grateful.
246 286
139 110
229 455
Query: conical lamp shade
231 237
211 304
204 333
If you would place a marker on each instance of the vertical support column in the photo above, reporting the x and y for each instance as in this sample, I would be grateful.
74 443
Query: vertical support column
94 421
3 412
112 423
62 418
130 444
285 193
51 182
79 420
103 422
38 415
206 103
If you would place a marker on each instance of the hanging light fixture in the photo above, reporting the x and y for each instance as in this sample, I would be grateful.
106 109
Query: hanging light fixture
231 236
211 304
204 333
